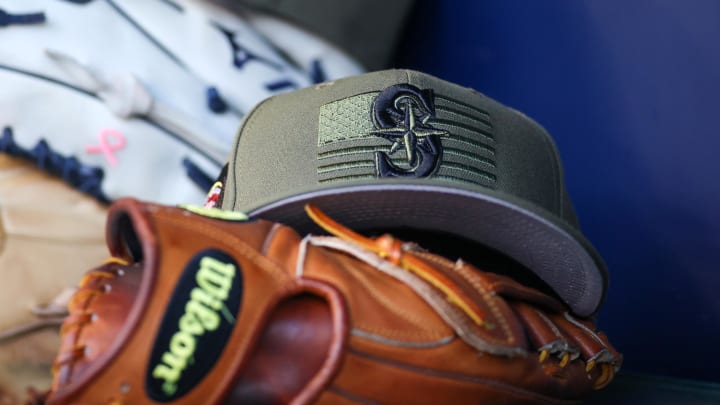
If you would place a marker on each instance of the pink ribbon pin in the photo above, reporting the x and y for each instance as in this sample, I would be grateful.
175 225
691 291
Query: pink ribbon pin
110 141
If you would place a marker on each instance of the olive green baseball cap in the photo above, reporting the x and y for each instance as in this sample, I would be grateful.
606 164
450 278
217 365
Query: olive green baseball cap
403 149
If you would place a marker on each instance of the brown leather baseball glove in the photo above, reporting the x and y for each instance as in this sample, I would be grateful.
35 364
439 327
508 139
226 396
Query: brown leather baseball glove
200 306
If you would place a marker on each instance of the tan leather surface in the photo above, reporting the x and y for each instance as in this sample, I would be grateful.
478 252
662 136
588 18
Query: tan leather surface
50 234
323 320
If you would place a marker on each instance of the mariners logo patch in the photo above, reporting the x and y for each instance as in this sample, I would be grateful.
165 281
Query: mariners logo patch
197 324
405 132
401 114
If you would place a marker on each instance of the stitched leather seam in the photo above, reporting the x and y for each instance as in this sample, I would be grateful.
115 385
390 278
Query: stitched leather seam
487 382
489 300
385 301
587 330
238 244
269 238
364 334
550 324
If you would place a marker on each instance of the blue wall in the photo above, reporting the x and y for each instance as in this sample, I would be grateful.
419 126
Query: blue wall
629 90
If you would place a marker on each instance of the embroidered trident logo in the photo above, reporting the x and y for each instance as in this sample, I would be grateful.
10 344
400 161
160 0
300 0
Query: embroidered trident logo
401 114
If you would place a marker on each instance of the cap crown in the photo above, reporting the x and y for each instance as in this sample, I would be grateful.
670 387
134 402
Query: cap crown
391 132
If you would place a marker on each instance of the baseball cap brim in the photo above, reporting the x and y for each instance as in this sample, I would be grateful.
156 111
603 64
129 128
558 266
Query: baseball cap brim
556 252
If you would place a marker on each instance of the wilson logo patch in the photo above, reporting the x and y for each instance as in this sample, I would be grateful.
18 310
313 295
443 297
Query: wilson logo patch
196 326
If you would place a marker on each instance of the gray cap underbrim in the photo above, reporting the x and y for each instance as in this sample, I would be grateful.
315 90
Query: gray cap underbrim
558 254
